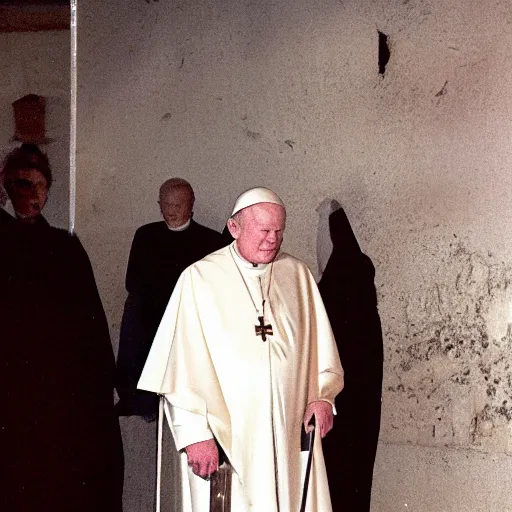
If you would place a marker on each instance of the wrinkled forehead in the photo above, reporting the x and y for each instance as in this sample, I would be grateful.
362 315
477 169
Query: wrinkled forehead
178 194
270 215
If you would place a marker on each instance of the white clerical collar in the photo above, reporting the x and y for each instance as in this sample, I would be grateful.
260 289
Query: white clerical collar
182 227
253 269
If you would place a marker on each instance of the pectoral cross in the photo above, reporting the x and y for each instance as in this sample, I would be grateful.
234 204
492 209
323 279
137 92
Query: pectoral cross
262 329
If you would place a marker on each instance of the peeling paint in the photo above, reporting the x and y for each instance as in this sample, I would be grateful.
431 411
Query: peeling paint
252 135
451 374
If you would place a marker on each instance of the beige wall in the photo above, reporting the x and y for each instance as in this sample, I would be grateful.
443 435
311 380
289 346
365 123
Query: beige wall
286 93
38 63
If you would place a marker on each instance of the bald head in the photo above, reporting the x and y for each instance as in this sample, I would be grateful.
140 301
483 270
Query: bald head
258 231
176 200
174 184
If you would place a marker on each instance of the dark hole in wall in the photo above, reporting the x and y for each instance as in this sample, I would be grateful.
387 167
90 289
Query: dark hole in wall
384 53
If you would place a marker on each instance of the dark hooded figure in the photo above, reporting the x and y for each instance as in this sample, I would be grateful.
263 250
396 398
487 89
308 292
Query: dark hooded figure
348 291
60 444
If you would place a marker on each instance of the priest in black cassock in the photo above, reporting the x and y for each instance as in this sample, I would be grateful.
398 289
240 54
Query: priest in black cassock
348 291
60 445
159 254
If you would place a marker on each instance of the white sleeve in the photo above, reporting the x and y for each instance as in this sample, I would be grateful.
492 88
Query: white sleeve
188 427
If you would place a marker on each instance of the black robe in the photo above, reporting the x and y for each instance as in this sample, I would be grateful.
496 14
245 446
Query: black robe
158 256
60 444
348 291
5 218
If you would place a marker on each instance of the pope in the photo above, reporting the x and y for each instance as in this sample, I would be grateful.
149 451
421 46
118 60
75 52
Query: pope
245 357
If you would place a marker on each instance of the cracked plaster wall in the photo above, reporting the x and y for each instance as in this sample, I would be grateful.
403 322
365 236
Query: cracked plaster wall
286 93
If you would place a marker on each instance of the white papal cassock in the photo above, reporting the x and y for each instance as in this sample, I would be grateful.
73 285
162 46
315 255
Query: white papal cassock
222 380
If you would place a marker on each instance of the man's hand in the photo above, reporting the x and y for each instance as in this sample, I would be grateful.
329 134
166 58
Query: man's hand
324 417
203 458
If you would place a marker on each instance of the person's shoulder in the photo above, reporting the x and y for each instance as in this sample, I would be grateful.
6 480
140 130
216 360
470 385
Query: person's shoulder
283 258
5 218
58 234
206 231
207 239
214 261
210 272
150 231
217 257
70 239
287 263
65 244
152 227
7 225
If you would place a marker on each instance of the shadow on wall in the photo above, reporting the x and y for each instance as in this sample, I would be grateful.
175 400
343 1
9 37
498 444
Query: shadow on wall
323 237
348 291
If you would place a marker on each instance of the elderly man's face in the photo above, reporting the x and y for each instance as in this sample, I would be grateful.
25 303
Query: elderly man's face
176 206
28 192
259 232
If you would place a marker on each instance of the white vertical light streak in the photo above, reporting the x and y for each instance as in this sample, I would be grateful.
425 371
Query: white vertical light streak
72 134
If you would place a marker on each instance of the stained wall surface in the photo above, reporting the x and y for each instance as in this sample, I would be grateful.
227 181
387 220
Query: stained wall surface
288 94
39 63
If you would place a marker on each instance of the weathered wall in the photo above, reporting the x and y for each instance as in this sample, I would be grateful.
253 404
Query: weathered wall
38 63
286 93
